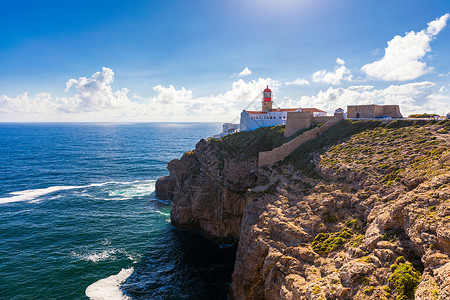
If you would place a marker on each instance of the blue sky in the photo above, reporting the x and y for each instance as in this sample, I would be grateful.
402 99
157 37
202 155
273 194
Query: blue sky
179 60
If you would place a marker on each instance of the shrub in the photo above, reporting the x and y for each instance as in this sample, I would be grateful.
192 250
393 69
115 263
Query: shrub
404 279
326 242
300 157
424 115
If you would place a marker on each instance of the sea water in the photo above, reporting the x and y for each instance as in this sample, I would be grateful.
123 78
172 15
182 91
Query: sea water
79 218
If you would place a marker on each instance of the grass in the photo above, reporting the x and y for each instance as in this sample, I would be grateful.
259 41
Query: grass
249 143
300 157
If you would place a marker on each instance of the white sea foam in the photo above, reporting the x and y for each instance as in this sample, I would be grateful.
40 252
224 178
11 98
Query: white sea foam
29 195
162 213
96 256
135 188
111 254
109 288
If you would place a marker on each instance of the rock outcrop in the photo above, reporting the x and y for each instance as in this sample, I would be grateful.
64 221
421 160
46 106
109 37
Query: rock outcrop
363 212
207 192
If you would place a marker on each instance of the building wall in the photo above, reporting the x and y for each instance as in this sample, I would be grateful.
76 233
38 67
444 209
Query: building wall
365 111
392 111
318 120
373 111
300 120
247 123
266 105
296 121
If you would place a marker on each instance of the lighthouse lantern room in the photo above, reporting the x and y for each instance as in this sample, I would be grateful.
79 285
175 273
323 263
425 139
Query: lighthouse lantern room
267 100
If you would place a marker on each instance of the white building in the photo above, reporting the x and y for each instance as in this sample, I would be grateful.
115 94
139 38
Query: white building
266 117
228 128
251 120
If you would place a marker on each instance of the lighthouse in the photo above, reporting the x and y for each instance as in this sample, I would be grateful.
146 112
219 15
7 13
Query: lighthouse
266 117
267 99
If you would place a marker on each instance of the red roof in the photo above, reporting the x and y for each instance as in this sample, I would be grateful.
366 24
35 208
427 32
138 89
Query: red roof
312 109
285 110
256 112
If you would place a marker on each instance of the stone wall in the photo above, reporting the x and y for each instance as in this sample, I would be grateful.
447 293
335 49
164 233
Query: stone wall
373 111
392 111
318 120
297 121
300 120
280 153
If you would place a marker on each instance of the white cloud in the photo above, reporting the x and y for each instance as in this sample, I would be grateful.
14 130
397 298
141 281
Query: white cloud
298 81
402 58
434 27
340 74
412 98
95 100
340 61
40 103
94 94
245 72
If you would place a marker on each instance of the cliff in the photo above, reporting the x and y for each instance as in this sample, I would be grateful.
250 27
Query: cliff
208 185
361 212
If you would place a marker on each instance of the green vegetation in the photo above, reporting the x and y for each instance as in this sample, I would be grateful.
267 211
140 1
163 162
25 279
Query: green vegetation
424 115
316 289
369 290
300 158
326 242
353 223
249 143
387 151
404 279
356 240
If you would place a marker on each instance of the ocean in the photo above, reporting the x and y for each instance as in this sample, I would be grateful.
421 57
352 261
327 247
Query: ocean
79 218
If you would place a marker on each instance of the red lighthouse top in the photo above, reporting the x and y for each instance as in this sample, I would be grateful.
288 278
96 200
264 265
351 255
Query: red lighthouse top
267 95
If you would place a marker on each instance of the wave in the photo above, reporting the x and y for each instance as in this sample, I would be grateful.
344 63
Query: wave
145 188
96 256
109 288
133 189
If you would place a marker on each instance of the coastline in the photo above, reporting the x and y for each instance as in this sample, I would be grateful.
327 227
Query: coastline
331 207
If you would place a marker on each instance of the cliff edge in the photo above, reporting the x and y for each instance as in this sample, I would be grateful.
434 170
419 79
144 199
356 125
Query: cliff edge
361 212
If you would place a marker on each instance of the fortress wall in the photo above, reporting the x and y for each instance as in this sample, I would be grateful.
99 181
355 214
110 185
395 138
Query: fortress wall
365 111
378 111
297 121
318 120
392 111
280 153
373 111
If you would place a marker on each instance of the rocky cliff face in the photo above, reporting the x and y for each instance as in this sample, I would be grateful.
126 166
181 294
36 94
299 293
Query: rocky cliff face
207 191
363 212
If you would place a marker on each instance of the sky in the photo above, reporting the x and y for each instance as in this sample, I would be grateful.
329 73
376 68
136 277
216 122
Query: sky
206 61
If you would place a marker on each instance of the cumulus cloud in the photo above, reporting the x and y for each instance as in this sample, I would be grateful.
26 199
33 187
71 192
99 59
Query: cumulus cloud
94 99
40 103
245 72
403 55
298 81
341 73
412 97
